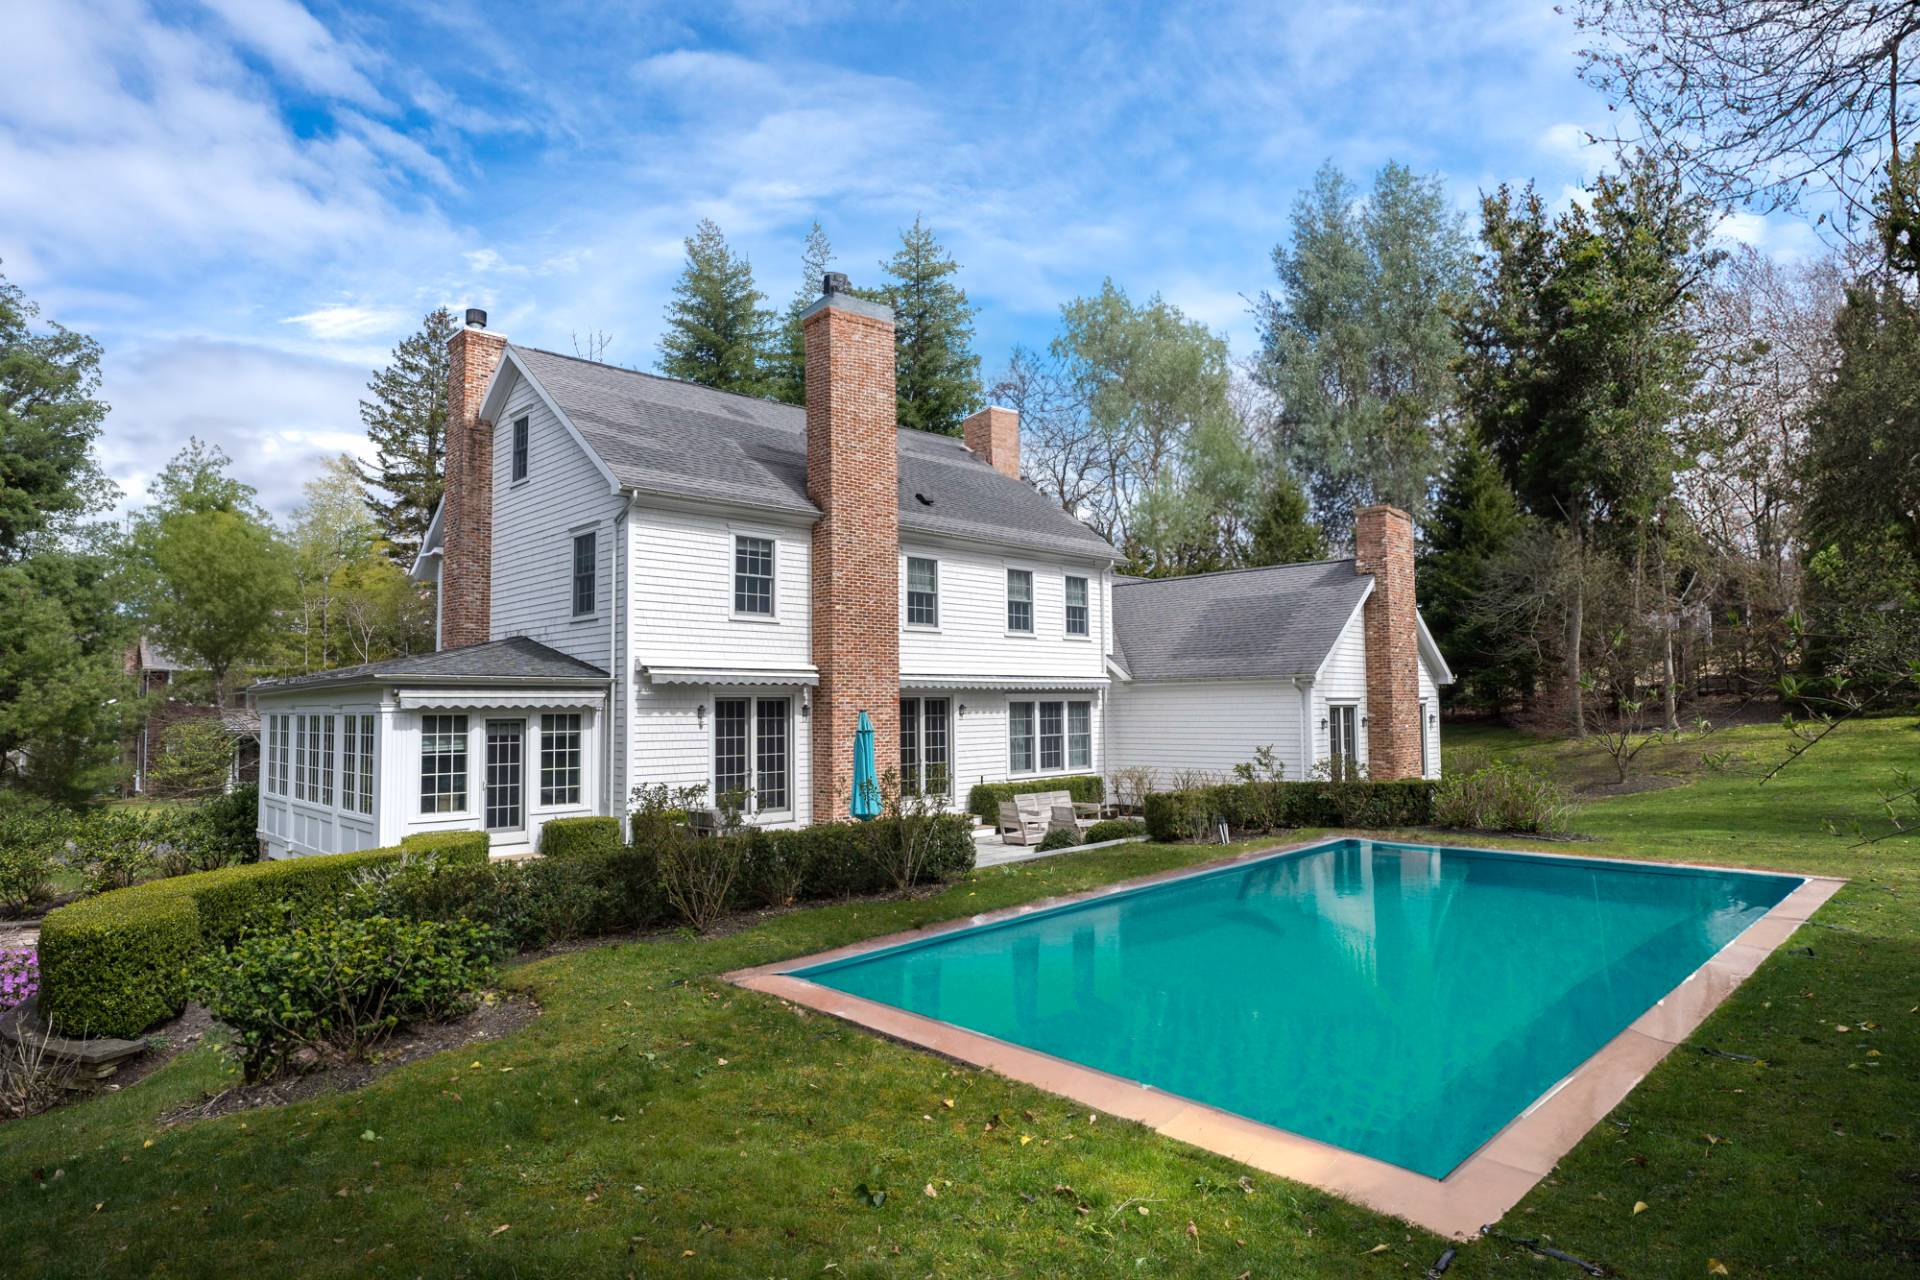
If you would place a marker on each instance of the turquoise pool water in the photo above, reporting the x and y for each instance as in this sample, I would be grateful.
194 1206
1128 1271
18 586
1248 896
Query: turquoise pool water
1401 1001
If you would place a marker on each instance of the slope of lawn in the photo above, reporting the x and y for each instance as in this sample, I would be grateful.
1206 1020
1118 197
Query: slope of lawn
656 1120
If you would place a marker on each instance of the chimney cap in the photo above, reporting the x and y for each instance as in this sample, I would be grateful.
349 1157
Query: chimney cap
835 282
476 318
837 291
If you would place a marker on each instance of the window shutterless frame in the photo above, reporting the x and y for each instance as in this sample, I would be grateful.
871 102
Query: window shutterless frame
923 592
586 549
753 574
1079 615
1020 602
521 452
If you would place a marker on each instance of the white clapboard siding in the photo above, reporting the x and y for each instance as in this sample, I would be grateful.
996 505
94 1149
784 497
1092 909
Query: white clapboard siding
980 747
534 523
972 637
1343 678
682 579
1430 712
1207 725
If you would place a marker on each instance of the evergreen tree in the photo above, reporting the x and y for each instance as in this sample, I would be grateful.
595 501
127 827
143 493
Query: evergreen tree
717 334
1283 529
1475 522
406 419
1358 348
936 372
787 368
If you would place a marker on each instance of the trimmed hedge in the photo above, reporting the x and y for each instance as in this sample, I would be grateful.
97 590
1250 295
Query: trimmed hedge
115 964
1114 829
1270 806
983 801
570 837
842 859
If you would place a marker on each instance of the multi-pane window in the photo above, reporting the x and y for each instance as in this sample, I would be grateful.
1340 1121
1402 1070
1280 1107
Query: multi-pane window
319 752
1020 745
519 448
1020 600
443 764
753 576
1077 615
925 764
752 753
299 757
277 754
1079 735
560 759
350 763
326 759
505 782
923 592
584 553
1047 737
366 761
1343 740
770 754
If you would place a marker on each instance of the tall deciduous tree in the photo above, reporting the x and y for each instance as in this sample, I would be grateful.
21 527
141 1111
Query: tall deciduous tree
406 419
937 375
1358 347
787 366
211 575
1578 365
49 417
717 333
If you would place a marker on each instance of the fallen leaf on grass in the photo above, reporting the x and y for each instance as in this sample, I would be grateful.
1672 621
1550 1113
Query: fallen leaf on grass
1379 1248
929 1192
502 1227
1715 1267
1639 1207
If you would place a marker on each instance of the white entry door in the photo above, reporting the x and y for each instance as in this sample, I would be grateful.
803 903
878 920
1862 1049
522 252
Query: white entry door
505 798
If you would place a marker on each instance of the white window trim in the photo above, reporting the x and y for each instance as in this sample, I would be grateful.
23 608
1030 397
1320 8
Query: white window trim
733 576
753 697
1339 704
1067 768
906 590
573 537
1033 601
920 743
513 432
476 725
1065 633
537 731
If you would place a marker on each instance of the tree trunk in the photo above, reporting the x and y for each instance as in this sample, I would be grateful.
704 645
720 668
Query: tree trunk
1576 621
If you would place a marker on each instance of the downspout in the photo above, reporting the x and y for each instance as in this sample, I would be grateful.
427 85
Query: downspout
615 699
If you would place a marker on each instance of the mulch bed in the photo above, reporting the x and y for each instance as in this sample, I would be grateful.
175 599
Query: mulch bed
497 1016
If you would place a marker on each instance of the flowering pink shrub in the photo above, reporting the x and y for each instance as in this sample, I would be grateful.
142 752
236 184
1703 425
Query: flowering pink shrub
19 977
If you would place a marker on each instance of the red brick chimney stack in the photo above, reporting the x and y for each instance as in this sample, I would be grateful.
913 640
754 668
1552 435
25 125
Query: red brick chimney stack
1383 547
466 560
994 434
853 476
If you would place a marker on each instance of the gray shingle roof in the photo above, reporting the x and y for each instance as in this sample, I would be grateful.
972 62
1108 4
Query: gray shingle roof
676 439
1247 623
516 660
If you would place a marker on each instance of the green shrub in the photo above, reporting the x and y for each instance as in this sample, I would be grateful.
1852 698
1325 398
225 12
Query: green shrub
233 821
1058 838
1254 807
1115 829
340 983
983 801
1502 797
112 849
530 903
451 846
31 837
698 874
115 964
566 837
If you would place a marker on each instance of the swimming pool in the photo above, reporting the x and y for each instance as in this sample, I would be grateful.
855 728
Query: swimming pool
1401 1001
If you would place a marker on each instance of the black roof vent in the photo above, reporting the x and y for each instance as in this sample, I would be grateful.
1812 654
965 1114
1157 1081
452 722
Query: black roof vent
835 282
925 501
476 318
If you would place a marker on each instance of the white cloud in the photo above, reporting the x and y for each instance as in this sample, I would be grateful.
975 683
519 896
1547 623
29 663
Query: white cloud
340 321
297 46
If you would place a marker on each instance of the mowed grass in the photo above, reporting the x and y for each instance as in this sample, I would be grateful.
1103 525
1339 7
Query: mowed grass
658 1121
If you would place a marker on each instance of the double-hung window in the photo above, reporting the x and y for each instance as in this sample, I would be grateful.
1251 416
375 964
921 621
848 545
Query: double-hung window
277 754
299 757
923 592
365 788
926 767
443 764
520 451
752 754
1020 601
356 764
1078 617
753 576
326 760
560 759
585 553
1049 736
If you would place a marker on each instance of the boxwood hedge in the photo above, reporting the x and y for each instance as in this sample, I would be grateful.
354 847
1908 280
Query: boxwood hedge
115 964
983 801
568 837
1255 807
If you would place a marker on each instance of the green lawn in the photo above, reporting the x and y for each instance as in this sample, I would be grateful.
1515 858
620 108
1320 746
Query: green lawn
658 1120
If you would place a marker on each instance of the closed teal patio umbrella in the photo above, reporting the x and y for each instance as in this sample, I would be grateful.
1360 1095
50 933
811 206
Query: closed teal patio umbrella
866 789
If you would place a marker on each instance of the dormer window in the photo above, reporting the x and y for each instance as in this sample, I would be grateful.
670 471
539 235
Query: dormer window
753 576
519 449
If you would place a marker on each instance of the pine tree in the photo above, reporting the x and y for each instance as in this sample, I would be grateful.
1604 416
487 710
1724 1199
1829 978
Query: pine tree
406 419
937 373
717 333
787 371
1283 529
1475 522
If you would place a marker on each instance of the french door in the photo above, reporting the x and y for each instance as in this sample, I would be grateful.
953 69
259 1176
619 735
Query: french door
505 796
1343 740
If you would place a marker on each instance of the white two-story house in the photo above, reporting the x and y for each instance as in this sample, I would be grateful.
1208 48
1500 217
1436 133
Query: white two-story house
647 581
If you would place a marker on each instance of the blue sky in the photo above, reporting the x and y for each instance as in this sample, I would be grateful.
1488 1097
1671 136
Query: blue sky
250 201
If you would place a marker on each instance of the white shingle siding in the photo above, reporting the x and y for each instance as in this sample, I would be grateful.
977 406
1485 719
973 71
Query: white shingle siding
1205 725
972 638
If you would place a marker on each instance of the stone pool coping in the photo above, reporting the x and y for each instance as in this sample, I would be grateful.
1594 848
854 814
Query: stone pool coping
1479 1191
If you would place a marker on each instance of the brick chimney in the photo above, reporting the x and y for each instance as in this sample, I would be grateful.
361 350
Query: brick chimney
853 476
1383 547
466 560
994 434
